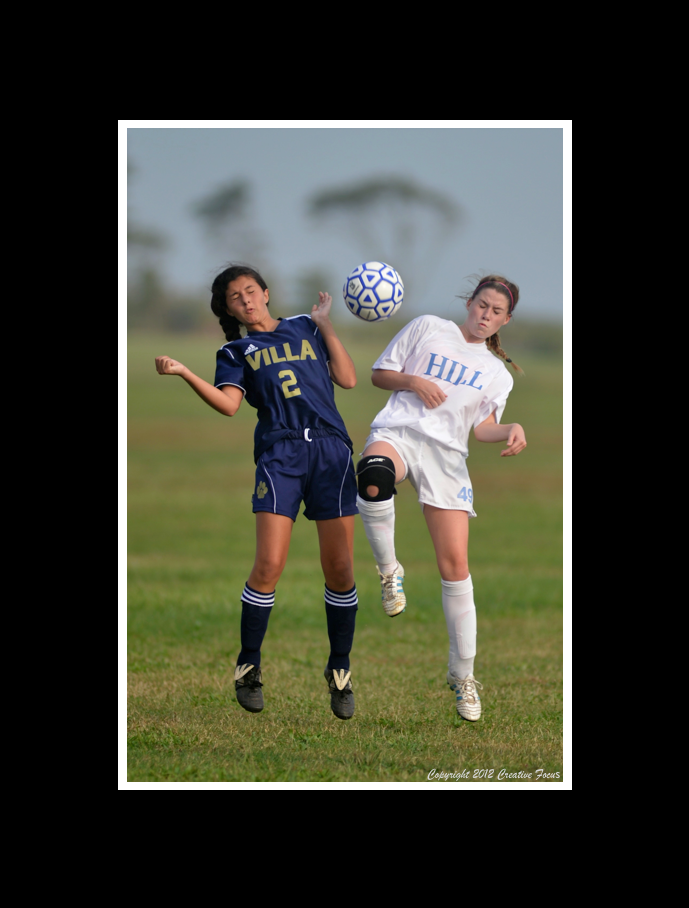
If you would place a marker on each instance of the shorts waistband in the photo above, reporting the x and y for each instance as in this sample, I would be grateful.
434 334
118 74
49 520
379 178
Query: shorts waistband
307 433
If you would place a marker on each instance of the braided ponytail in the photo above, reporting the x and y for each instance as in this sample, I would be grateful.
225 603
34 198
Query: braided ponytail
493 344
229 324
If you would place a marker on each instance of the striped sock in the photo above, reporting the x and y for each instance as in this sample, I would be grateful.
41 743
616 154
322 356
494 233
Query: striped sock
256 598
256 609
340 611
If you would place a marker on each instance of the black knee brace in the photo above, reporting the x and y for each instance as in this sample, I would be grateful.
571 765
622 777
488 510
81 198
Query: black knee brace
375 470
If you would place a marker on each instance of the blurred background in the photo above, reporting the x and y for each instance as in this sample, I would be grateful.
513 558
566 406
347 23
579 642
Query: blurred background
305 206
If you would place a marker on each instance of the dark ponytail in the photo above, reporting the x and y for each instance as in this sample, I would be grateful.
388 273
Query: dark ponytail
229 324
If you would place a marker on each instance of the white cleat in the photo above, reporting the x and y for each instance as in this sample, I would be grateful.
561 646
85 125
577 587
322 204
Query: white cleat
468 700
392 592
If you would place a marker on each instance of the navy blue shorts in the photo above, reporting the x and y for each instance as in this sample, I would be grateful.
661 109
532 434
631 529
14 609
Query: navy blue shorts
319 472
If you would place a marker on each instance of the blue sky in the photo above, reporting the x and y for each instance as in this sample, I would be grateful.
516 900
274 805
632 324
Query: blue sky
506 176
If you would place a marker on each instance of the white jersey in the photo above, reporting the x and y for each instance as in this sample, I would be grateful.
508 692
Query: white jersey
475 381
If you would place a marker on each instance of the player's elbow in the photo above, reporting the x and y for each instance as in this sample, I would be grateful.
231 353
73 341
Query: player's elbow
345 378
229 401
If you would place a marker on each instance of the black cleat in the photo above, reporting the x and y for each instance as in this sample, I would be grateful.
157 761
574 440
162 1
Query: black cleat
341 693
247 685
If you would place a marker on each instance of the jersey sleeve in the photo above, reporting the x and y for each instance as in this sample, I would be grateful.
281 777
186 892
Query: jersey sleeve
495 398
228 370
395 355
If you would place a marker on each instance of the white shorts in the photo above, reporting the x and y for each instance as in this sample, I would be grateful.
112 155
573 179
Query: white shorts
438 474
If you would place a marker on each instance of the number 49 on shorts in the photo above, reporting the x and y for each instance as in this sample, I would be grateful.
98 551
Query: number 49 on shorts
466 495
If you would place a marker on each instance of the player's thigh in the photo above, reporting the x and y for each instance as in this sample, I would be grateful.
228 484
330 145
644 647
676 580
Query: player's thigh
450 534
273 535
336 540
385 449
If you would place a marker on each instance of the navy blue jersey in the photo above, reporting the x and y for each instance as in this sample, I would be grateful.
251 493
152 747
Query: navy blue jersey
284 375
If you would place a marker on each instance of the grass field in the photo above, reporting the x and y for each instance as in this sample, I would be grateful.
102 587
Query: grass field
191 546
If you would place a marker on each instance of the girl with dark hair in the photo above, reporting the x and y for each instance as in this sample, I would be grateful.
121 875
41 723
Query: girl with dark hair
445 380
286 368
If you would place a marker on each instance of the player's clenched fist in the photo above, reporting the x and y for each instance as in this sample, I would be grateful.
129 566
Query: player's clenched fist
165 365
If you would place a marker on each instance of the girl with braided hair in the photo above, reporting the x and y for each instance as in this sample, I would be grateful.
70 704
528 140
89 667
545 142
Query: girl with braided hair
445 380
286 368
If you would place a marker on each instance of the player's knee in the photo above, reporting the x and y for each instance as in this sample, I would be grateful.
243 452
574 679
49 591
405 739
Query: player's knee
339 575
453 568
267 571
376 478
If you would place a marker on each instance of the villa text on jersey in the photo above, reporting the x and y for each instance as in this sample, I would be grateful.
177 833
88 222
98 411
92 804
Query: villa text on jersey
284 375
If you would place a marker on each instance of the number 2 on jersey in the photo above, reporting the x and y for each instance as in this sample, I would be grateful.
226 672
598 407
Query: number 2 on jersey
286 385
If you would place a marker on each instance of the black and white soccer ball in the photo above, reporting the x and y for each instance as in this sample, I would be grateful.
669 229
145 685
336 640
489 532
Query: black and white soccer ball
373 291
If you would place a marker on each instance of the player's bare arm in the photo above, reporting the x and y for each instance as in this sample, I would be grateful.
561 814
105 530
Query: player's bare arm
491 431
225 400
431 395
342 370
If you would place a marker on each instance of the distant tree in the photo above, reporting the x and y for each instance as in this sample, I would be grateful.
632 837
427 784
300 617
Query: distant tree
151 303
146 294
227 216
391 219
142 241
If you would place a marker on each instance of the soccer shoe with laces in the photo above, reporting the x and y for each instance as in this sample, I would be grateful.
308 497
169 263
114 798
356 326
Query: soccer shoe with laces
392 592
468 700
341 693
247 685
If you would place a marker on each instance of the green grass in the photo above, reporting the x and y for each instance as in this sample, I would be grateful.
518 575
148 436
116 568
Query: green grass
191 546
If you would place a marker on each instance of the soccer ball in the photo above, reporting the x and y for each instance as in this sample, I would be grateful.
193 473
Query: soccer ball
373 291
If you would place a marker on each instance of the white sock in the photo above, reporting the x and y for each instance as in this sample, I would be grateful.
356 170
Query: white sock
379 523
460 616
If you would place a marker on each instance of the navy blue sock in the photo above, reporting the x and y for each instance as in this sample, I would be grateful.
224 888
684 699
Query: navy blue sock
256 609
340 610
